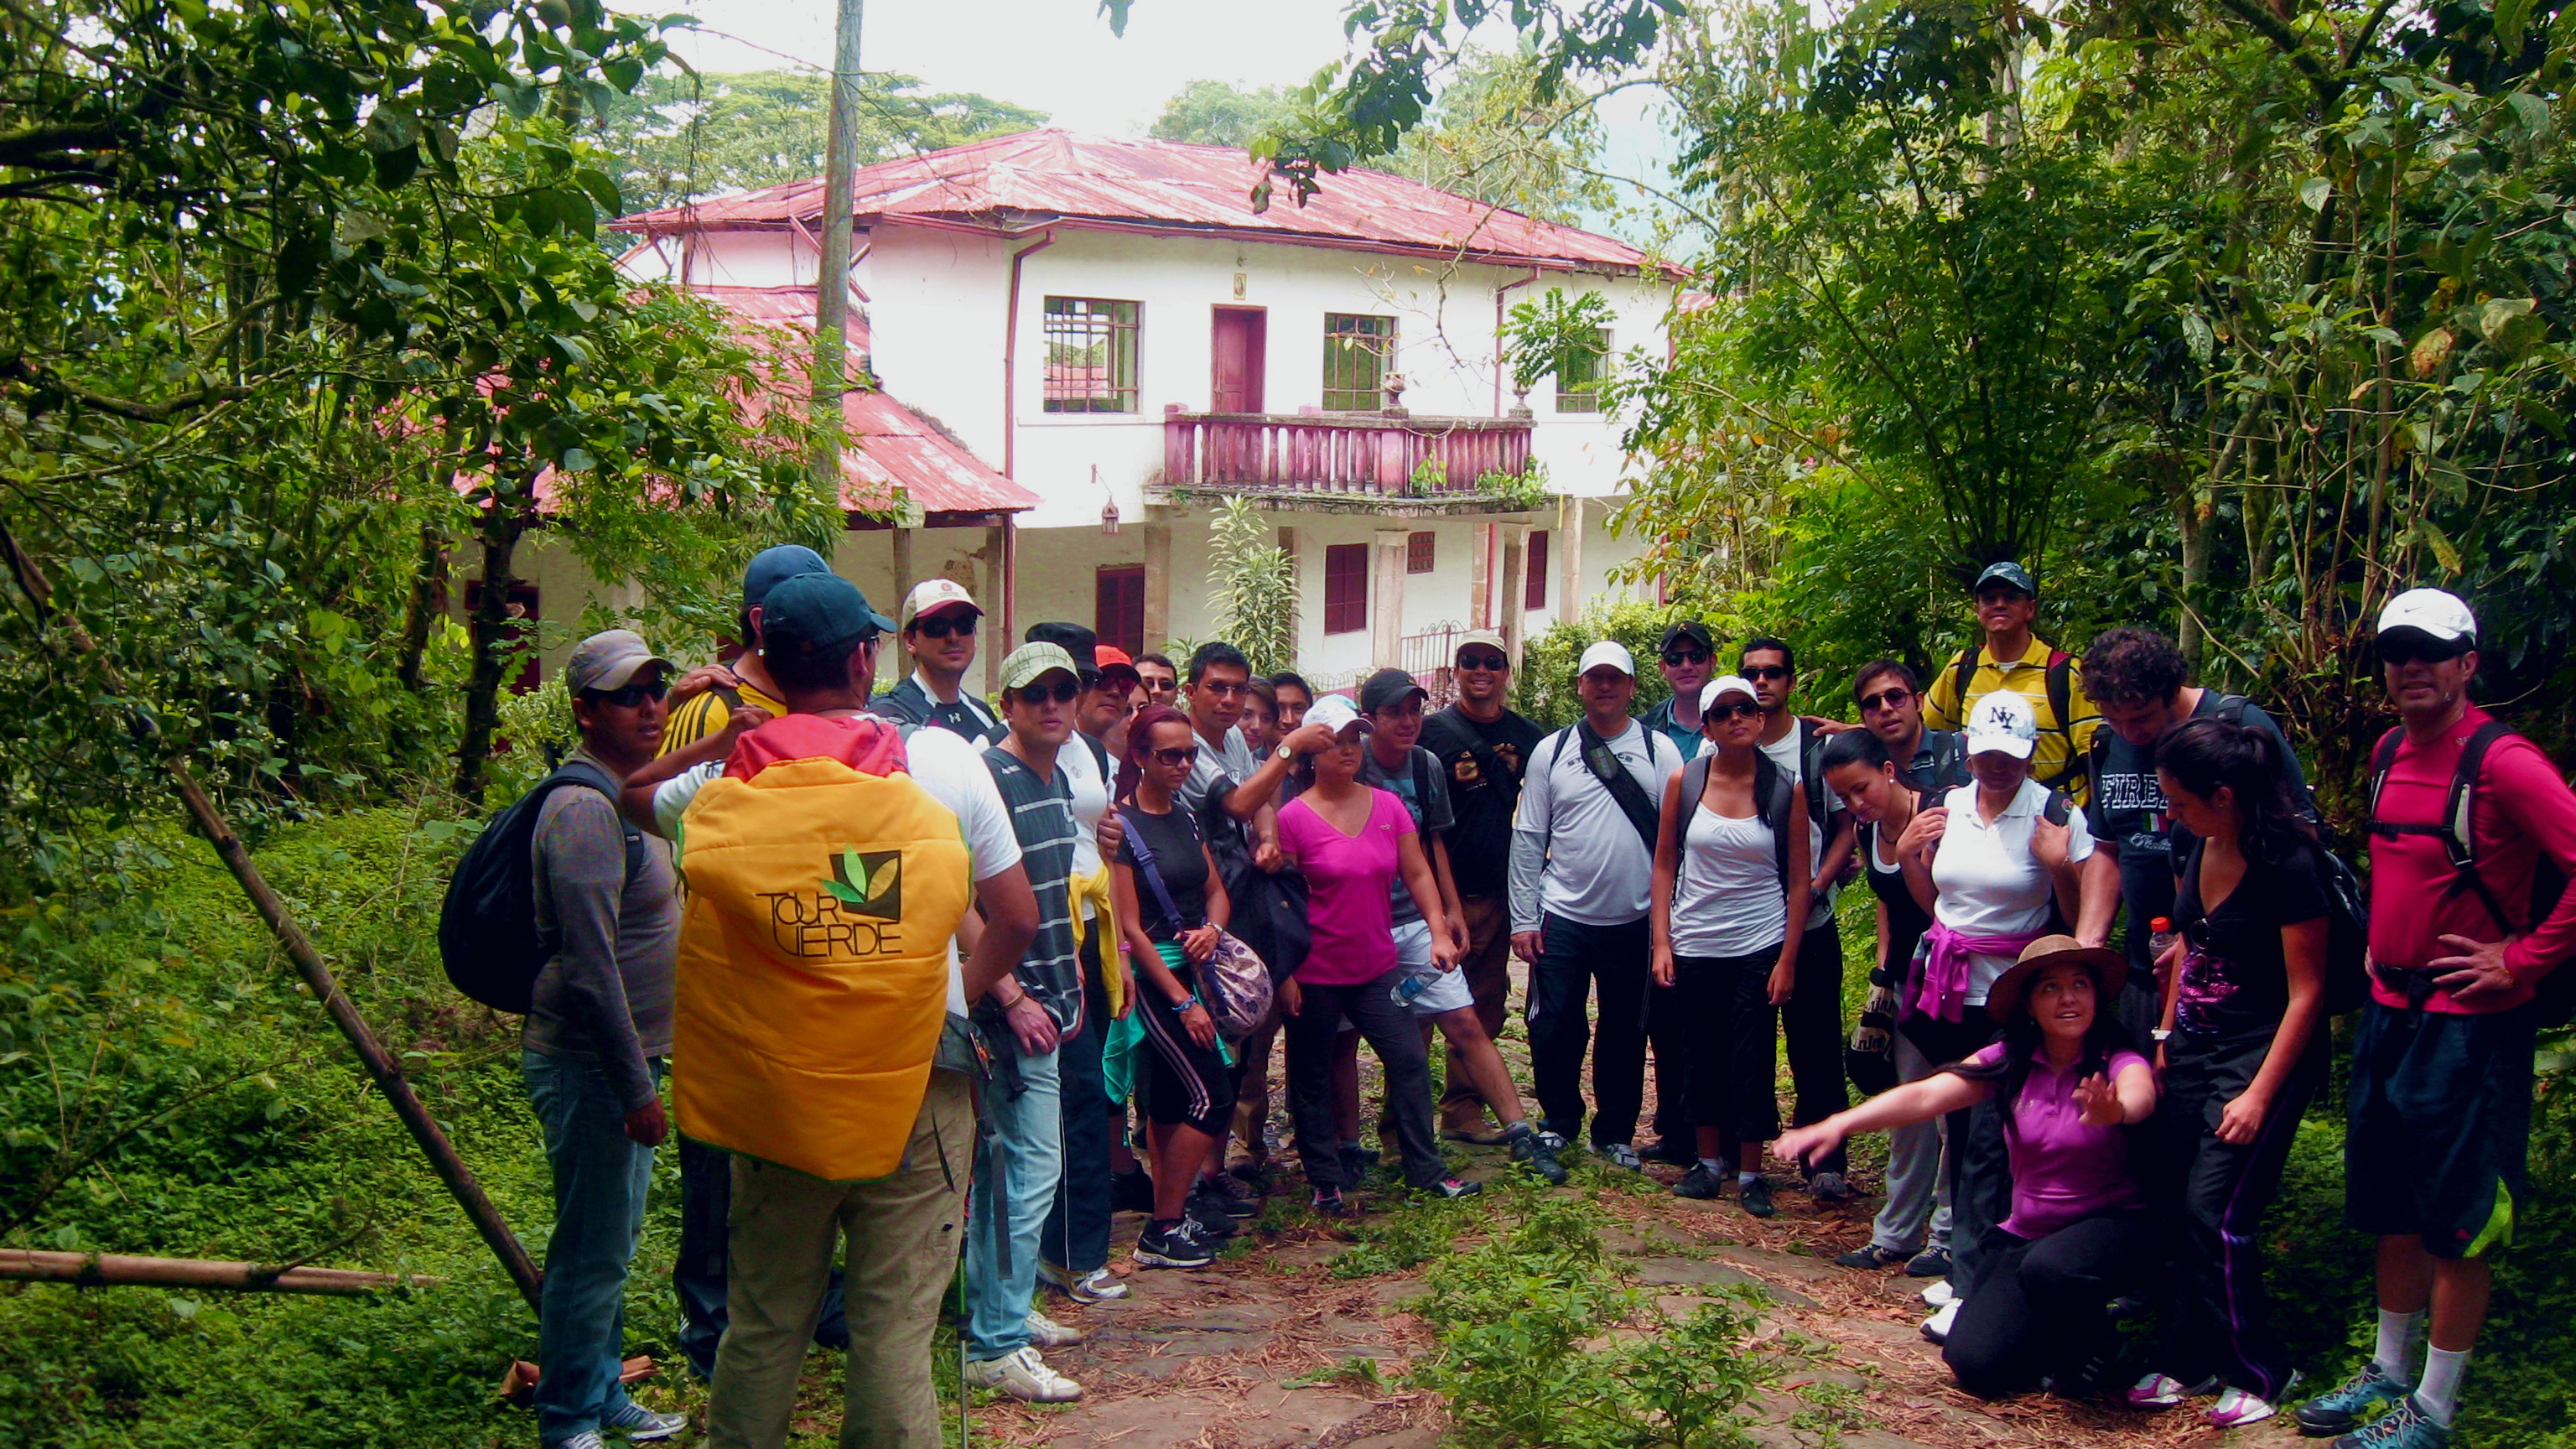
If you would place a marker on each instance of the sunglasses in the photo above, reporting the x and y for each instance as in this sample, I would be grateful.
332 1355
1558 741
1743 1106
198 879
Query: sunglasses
1483 661
1682 658
1061 692
1765 671
1741 709
943 626
629 697
2409 648
1186 755
1156 684
1886 699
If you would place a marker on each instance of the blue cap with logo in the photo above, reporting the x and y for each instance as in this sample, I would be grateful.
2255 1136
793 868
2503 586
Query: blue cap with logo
2009 572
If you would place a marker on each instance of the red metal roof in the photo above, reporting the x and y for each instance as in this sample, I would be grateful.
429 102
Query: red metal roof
1049 178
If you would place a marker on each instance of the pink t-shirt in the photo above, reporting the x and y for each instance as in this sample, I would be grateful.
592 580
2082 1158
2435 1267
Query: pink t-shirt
2062 1170
1347 880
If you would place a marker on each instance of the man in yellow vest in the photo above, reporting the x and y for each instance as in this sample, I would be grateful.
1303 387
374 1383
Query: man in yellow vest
2014 658
819 1034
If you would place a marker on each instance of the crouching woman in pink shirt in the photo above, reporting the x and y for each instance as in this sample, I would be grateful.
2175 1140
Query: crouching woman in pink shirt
2079 1235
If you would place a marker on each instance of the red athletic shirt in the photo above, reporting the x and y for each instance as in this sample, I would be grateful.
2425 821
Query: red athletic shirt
2523 810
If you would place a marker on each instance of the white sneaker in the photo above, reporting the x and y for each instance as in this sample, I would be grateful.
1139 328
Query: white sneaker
1937 1327
2236 1408
1939 1293
1097 1286
1045 1332
1023 1375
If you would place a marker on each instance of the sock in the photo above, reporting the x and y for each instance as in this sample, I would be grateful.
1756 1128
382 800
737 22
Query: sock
1746 1178
2439 1395
1714 1167
2400 1334
1518 1130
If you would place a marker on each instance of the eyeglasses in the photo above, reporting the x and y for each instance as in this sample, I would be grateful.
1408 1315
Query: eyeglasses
1684 658
1765 671
1740 710
1886 698
2410 647
942 626
1186 755
1061 692
1483 661
1221 691
1154 684
629 697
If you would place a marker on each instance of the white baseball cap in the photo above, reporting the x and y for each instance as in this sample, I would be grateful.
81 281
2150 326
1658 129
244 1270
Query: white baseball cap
2005 723
932 595
1339 713
2430 611
1722 686
1610 652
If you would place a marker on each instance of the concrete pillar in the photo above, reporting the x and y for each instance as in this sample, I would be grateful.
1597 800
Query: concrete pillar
1386 598
1569 551
1515 610
991 642
1480 579
1158 584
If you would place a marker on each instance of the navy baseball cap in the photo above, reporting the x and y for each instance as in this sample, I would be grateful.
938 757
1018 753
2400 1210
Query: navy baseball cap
810 613
2006 571
773 566
1074 639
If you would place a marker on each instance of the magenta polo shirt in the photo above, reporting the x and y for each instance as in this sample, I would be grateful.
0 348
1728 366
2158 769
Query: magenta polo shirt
2062 1170
1348 910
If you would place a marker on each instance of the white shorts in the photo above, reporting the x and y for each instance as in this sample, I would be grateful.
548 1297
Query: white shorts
1448 989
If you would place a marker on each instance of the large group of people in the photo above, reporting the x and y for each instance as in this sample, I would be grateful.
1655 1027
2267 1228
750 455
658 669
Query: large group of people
943 980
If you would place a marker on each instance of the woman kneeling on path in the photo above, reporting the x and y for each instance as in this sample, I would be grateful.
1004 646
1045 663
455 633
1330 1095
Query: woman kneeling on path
2079 1234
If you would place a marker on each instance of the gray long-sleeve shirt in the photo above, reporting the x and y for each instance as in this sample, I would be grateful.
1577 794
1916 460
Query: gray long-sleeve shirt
605 997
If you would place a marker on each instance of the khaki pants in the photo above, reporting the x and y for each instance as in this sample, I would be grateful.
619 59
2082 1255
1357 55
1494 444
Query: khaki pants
1488 967
902 1243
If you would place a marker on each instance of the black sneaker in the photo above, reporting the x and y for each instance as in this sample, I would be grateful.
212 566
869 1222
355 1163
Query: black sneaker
1175 1244
1357 1163
1673 1153
1328 1203
1531 1151
1700 1183
1757 1197
1214 1215
1131 1191
1870 1256
1930 1263
1452 1187
1239 1196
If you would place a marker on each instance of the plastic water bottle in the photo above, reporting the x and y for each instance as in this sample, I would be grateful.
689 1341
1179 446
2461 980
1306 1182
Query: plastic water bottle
2160 939
1414 985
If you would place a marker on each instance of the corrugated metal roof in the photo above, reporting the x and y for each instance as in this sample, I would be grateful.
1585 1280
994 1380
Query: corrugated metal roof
1042 178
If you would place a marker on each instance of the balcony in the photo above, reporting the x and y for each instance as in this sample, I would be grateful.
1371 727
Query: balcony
1382 463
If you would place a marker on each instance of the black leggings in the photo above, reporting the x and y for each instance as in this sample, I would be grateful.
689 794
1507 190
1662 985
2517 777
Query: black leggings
2039 1307
1186 1085
1734 1062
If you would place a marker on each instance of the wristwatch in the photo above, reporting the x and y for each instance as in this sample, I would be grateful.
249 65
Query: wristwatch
1284 751
2162 1033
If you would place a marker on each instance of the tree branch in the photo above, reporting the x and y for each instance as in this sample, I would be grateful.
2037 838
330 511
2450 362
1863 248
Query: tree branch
20 370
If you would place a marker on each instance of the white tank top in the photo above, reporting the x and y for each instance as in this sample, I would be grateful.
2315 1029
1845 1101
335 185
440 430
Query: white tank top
1726 900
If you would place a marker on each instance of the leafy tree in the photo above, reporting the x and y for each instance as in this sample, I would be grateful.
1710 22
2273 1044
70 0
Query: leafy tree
1253 588
1492 136
684 137
1216 113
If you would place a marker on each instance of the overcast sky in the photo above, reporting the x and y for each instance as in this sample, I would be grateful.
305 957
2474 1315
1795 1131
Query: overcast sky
1058 56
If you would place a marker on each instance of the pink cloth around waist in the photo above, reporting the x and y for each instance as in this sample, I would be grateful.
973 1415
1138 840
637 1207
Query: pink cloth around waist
1944 993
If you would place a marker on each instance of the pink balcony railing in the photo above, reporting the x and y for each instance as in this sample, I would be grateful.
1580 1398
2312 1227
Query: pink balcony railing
1350 453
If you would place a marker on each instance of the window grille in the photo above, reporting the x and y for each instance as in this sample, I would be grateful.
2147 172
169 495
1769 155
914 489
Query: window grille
1090 355
1358 354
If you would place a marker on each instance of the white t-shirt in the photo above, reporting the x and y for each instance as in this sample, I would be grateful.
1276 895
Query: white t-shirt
1598 872
1726 900
1784 754
949 768
1090 802
1988 882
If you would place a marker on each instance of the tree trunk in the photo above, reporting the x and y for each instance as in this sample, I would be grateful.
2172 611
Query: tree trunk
502 526
427 582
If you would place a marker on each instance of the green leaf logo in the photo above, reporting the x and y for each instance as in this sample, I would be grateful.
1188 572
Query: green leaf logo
868 884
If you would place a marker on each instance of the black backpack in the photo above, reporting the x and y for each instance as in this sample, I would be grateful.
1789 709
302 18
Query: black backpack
2555 997
487 929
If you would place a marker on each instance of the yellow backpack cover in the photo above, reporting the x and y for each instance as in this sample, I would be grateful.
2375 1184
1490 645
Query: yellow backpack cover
824 886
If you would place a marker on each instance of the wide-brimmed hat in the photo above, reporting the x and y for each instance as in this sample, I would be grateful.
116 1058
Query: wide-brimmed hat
2110 972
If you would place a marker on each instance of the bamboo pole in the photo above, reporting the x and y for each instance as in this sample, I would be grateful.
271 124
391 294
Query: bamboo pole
379 1063
103 1270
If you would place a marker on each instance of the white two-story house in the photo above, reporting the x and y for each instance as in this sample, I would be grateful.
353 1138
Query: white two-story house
1081 344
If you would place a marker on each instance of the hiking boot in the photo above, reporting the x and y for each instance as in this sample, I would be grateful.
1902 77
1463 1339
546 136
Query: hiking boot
1238 1195
1451 1187
1045 1332
1131 1191
1023 1376
1619 1154
2340 1409
1701 1184
2157 1392
1673 1152
1930 1263
1468 1125
1756 1196
1830 1187
1176 1244
1869 1256
2236 1408
2405 1427
1555 1140
641 1424
1531 1151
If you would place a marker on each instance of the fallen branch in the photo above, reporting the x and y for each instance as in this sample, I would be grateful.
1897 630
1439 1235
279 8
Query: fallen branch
104 1270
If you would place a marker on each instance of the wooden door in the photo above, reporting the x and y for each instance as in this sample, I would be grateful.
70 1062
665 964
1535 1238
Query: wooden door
1118 614
1241 337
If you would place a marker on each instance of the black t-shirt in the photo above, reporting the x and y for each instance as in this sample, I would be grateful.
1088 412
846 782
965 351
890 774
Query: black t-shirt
2128 810
2235 983
1906 918
1179 858
1480 844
